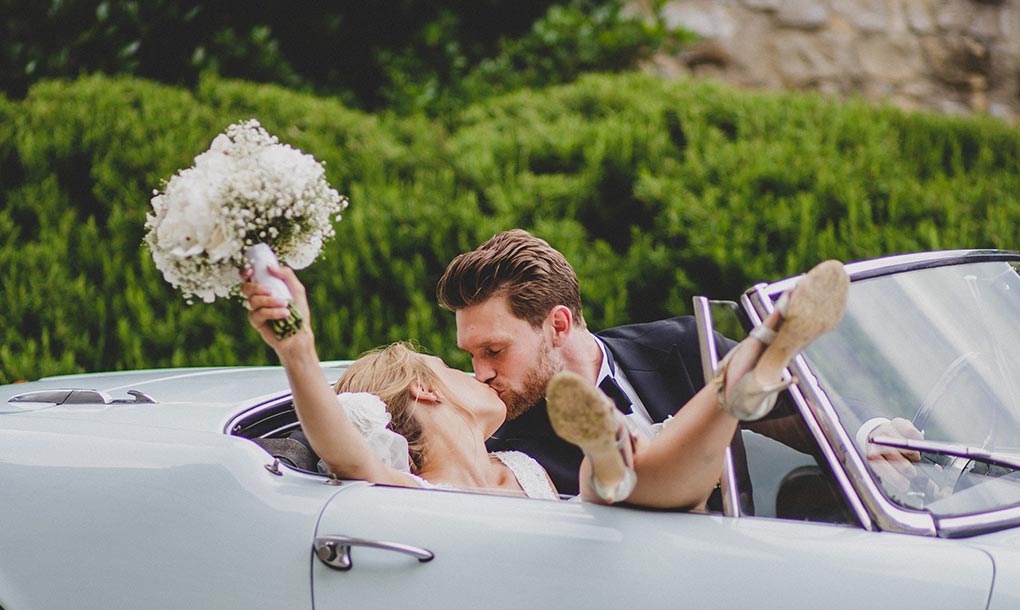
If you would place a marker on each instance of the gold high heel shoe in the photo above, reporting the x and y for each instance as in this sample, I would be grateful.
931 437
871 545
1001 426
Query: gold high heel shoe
812 308
583 415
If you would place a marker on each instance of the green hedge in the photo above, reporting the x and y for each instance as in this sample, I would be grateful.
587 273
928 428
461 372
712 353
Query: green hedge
656 191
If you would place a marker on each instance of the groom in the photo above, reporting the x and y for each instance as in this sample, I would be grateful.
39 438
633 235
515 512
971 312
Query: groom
505 291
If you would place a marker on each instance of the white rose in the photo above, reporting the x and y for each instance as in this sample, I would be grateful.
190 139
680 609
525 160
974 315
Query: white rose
220 144
190 215
219 246
304 254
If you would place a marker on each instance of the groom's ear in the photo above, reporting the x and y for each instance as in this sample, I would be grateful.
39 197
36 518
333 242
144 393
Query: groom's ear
561 321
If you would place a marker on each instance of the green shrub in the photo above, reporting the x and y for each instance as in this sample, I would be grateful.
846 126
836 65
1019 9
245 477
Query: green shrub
403 56
655 191
440 75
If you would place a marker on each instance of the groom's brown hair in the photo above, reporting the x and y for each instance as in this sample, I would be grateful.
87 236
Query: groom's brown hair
533 275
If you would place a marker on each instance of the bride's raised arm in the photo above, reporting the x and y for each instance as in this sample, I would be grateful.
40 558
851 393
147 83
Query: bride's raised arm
329 430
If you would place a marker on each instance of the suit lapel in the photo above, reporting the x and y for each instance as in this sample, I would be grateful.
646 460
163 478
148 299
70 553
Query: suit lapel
659 376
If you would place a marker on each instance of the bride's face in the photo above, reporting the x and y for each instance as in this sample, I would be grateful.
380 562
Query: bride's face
479 399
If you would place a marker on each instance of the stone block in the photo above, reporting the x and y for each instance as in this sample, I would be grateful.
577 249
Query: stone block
869 16
803 60
891 60
802 14
703 17
919 16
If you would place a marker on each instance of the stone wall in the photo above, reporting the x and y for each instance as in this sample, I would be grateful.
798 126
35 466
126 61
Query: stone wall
953 56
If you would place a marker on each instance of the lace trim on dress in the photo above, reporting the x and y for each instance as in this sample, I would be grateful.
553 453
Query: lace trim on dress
427 485
530 474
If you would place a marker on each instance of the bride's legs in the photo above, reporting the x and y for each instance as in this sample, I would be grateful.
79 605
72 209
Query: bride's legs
681 465
676 469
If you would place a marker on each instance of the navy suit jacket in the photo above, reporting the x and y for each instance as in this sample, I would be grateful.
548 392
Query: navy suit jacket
662 361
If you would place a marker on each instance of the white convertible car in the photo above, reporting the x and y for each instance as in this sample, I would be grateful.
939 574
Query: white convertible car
186 488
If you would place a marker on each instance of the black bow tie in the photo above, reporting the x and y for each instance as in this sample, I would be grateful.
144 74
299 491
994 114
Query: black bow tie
614 391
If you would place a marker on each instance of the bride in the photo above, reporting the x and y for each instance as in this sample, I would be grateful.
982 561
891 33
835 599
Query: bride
443 416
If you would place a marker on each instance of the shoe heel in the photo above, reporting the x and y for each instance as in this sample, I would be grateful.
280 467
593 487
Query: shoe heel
814 307
582 415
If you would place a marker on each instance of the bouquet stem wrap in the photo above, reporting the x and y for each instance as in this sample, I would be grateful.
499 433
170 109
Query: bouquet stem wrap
261 257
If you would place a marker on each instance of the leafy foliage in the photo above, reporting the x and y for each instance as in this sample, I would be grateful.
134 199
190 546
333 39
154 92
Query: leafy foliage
439 76
404 55
655 191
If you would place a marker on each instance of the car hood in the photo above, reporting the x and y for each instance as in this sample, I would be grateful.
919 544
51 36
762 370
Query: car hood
186 398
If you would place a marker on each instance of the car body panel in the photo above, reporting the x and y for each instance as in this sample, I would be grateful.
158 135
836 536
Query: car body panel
128 517
512 553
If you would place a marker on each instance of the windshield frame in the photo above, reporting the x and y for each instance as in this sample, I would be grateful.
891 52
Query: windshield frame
851 470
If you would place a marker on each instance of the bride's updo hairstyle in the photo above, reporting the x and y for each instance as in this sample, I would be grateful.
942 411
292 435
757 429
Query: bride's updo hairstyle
389 373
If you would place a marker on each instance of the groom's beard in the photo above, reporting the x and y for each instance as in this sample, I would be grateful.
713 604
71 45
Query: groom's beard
532 389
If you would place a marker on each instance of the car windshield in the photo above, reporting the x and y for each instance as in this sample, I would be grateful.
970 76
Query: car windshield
939 347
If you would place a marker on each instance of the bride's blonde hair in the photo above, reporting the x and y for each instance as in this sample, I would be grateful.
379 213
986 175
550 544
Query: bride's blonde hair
389 373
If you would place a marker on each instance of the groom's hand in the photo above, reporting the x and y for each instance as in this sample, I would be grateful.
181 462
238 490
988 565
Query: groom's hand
893 465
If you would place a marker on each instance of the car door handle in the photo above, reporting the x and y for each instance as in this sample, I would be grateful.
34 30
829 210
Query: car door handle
335 551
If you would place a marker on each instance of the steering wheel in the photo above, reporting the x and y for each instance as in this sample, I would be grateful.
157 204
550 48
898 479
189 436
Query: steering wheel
954 468
964 362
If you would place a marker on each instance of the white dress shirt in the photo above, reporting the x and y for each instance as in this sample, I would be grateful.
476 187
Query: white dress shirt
639 420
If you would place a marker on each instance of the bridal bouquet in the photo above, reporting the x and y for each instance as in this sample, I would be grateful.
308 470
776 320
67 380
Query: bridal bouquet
245 198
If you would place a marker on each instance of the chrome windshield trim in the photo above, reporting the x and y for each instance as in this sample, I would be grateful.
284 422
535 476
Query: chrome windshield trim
981 523
837 442
867 501
898 263
709 363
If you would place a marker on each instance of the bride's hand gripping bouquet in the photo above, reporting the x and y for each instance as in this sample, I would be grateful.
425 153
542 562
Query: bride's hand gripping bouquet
246 201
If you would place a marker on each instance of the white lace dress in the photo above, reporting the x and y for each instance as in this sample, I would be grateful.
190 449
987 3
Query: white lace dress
529 473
